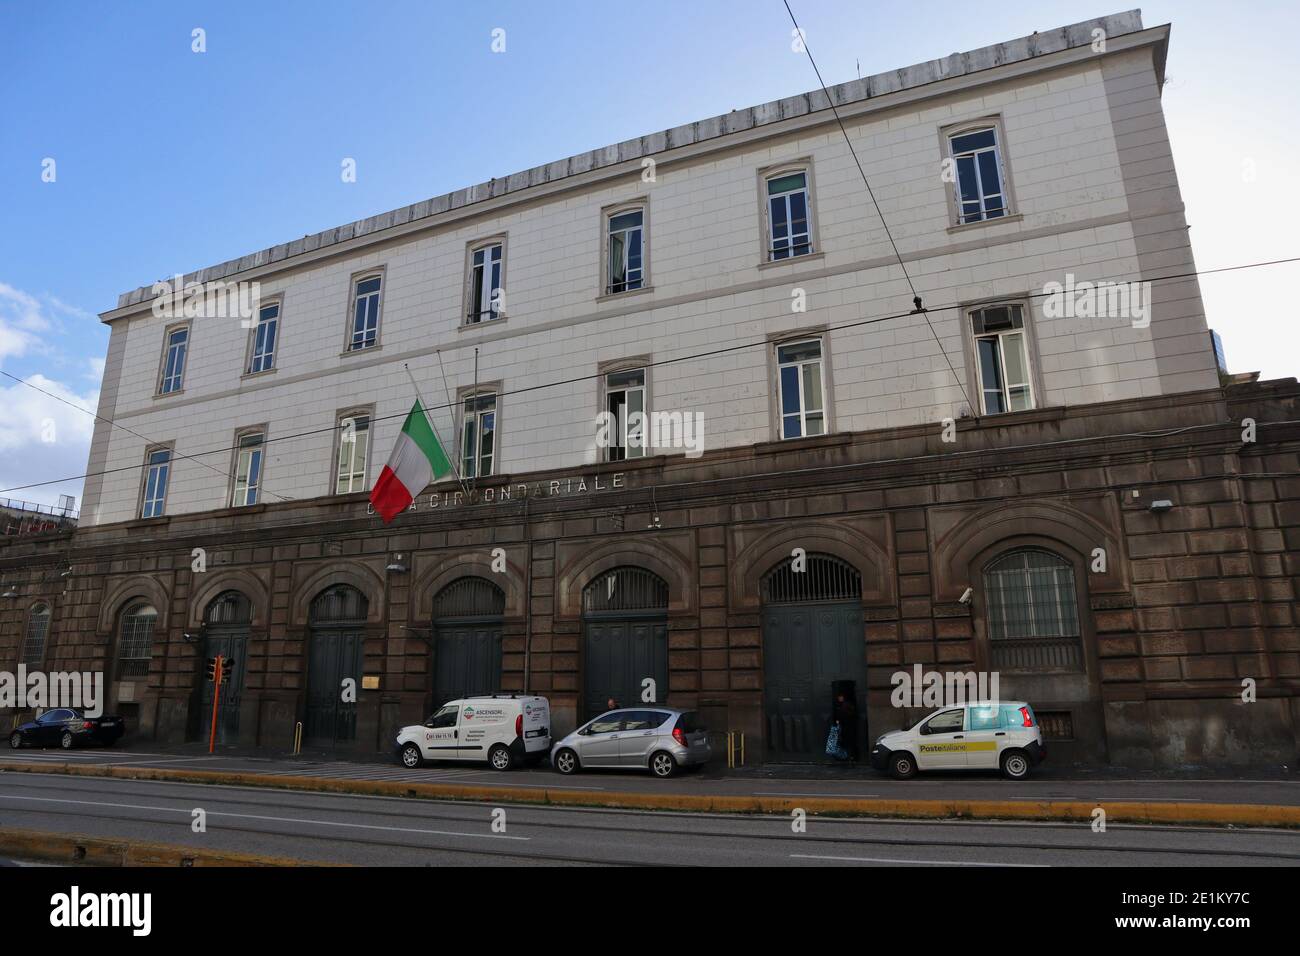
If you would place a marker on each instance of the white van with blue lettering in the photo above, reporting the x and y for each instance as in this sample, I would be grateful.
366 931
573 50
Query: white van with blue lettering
503 730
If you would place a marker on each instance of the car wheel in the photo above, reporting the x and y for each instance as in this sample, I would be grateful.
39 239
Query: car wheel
500 758
902 766
67 740
566 761
1015 765
662 764
411 756
16 740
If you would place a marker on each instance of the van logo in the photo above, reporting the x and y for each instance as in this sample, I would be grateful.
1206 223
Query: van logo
469 713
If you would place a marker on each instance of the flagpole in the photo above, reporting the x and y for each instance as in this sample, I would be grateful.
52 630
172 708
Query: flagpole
446 390
455 467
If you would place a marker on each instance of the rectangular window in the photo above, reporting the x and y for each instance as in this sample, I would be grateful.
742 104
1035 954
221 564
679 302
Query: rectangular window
801 395
158 466
485 284
980 185
268 323
479 447
626 251
625 402
354 443
789 219
248 470
365 313
173 376
1002 358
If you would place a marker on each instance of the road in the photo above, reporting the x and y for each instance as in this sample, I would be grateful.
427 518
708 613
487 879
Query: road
370 831
1046 783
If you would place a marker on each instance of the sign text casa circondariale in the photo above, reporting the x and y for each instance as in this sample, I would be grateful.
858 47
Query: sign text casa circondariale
497 494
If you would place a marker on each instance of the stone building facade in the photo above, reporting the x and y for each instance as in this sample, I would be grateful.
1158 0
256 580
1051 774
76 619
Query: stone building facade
1194 600
990 486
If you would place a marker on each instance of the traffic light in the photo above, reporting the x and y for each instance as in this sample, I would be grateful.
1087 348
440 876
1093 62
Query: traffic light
227 668
212 668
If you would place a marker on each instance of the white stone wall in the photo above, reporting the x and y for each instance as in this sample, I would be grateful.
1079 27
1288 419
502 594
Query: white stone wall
704 239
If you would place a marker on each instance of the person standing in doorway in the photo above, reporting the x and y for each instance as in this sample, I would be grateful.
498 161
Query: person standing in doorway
845 713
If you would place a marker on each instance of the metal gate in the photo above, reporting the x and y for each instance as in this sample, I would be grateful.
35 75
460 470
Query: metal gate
625 628
467 639
225 632
812 637
337 623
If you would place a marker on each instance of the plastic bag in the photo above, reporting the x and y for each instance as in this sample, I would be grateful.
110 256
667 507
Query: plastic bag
833 748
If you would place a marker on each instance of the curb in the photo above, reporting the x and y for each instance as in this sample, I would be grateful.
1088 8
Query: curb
1127 811
75 848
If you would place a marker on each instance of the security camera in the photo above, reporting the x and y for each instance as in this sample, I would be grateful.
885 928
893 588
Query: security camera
966 596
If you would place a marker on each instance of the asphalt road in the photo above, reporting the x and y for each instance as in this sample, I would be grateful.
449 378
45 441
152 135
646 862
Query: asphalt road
328 828
1043 784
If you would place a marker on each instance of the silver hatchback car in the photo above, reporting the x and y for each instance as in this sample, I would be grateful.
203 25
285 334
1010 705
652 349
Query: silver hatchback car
659 739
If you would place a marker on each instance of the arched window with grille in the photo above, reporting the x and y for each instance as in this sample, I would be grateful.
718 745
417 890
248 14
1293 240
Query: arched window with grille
625 591
1032 612
38 629
817 577
135 641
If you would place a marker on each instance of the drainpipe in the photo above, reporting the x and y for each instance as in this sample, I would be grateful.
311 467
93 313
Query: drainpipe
528 597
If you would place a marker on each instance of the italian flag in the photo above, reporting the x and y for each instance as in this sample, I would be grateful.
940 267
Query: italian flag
417 459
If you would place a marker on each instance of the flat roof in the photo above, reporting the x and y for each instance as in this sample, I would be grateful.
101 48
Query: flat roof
879 84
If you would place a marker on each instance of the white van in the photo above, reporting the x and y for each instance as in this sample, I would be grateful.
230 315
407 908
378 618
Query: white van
502 729
1001 735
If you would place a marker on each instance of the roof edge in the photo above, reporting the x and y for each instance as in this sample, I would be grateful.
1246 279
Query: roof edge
879 84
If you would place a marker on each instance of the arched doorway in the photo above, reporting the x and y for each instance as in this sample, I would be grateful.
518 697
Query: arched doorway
226 621
467 639
336 623
625 638
812 641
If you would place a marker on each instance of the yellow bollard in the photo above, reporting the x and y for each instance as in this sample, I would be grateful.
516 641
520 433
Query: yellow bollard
297 738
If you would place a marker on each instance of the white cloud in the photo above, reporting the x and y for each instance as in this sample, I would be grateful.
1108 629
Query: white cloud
42 439
23 320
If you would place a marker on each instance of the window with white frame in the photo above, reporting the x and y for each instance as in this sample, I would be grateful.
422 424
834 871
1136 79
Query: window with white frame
626 238
485 292
248 469
478 449
801 393
157 469
1002 359
365 313
262 358
175 349
789 216
625 403
980 177
38 630
354 444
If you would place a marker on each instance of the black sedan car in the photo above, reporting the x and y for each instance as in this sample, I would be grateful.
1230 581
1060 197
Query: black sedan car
67 729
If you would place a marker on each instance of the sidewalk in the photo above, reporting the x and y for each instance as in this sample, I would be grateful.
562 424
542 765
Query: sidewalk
1249 797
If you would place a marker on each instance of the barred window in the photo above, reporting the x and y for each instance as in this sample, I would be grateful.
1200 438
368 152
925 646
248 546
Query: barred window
135 645
1033 614
38 628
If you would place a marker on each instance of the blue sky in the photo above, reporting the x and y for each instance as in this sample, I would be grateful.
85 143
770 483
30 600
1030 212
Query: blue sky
168 160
